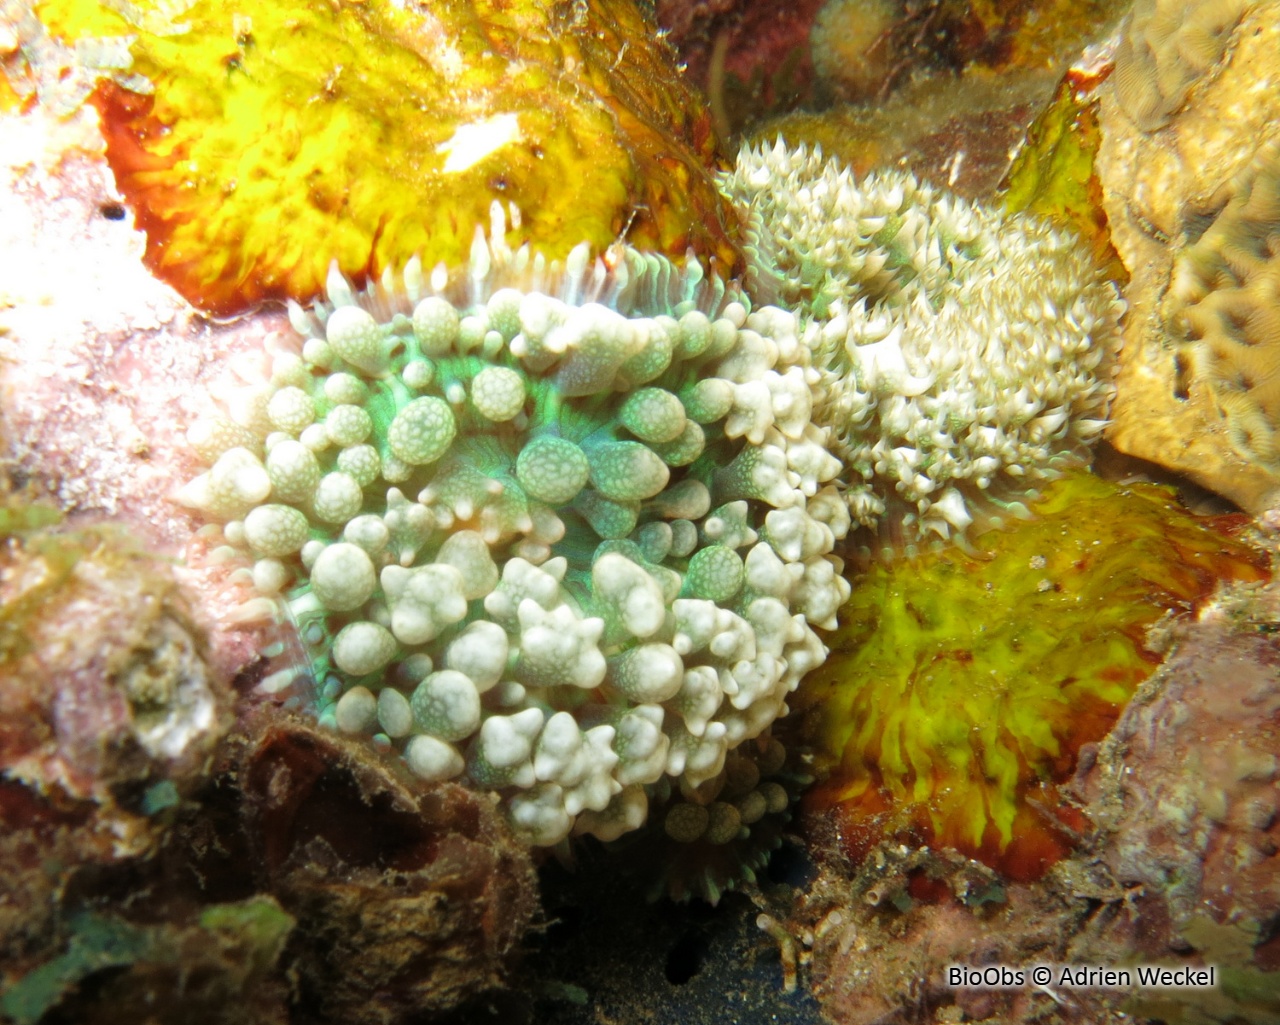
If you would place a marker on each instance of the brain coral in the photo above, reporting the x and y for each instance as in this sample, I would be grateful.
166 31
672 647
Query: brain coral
1223 304
965 354
961 685
559 531
1164 48
1161 191
256 145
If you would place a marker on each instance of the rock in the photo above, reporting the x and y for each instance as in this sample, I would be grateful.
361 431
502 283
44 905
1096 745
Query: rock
1162 188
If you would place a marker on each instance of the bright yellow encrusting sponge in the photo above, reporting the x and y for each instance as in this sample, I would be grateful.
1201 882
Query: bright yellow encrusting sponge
282 135
961 686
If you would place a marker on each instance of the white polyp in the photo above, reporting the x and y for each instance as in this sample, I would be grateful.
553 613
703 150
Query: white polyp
699 698
521 579
628 593
275 531
558 647
641 745
271 576
357 711
343 577
589 784
648 673
362 648
558 748
432 759
394 713
446 705
498 393
466 551
507 740
423 600
538 815
480 652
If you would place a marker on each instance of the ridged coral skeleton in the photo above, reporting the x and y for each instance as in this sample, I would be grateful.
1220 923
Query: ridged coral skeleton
965 354
1164 48
562 530
1221 306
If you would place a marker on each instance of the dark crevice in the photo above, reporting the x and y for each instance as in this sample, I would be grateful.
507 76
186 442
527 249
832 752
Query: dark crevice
686 958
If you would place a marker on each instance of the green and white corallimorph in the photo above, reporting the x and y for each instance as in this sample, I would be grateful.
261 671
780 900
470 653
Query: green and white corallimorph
716 837
559 531
965 354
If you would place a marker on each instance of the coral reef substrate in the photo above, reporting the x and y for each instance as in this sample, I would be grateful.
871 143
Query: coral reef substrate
1188 407
1223 304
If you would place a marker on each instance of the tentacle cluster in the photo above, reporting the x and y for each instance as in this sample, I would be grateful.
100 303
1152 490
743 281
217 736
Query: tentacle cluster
965 354
718 836
563 531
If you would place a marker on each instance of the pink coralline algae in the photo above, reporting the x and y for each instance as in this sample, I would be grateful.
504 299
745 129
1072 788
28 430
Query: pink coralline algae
104 367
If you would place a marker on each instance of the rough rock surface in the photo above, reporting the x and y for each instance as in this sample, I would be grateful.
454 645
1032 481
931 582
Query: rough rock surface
95 348
1161 189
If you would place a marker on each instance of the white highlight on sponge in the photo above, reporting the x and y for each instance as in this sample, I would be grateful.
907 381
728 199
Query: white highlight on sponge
473 142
